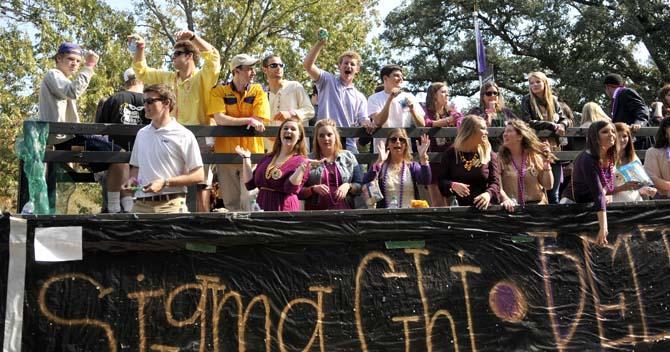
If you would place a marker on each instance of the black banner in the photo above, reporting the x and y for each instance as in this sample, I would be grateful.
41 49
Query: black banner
388 280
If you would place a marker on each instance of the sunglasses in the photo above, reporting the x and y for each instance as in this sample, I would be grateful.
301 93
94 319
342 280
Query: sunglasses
176 54
275 65
491 94
396 139
149 101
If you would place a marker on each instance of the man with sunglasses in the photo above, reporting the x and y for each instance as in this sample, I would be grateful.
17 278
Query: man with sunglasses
287 98
192 87
238 103
165 157
391 107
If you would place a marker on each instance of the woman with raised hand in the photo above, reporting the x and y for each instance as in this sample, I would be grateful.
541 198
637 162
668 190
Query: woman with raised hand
337 176
470 166
525 167
542 111
492 106
282 172
631 191
396 173
593 172
657 160
439 113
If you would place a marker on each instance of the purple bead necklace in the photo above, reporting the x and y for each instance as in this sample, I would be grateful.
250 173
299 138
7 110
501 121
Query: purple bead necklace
337 181
615 99
521 177
607 177
402 183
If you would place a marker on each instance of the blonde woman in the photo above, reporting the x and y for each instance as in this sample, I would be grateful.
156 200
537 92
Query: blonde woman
470 168
397 174
592 112
525 167
542 111
337 176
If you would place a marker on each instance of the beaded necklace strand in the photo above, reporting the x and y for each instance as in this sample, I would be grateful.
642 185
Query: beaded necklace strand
521 177
402 183
607 178
337 181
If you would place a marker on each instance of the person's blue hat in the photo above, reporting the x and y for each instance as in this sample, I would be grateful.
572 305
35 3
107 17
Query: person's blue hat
69 48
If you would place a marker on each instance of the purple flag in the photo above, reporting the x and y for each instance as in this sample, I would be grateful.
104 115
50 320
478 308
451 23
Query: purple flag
481 52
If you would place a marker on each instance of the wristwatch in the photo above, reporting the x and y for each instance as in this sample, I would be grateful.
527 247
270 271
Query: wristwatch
167 183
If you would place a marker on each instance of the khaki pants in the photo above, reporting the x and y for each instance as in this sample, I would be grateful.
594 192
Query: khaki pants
233 192
173 206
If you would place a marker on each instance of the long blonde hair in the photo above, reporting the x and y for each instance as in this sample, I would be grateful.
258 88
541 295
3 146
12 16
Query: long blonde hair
337 145
529 143
470 125
547 96
592 112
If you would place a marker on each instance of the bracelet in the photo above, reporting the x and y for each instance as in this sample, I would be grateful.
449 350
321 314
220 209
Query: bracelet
192 37
166 183
246 157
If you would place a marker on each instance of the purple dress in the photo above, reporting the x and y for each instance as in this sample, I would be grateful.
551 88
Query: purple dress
314 201
277 194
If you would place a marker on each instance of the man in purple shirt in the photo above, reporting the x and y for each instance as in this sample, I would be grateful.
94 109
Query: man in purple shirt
338 97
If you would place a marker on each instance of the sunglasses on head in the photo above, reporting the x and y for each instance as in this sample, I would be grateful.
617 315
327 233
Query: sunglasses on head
275 65
178 53
148 101
395 139
491 94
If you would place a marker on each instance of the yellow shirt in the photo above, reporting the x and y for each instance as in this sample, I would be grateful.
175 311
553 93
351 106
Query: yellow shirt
192 93
252 102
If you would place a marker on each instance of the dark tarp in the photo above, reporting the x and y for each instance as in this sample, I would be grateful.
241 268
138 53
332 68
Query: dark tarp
387 280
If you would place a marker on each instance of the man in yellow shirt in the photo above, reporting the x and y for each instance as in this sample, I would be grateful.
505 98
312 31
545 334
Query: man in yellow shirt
192 87
238 103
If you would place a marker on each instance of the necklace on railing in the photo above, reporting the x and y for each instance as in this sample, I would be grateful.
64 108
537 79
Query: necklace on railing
469 164
521 177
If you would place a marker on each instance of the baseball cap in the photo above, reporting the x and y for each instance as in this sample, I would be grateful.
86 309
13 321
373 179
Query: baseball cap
69 48
128 75
242 59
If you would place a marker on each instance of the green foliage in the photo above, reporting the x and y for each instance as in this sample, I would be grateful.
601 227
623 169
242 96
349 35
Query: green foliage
287 28
32 30
575 42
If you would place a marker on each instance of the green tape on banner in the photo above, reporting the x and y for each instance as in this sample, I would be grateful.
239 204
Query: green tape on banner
405 244
200 247
522 239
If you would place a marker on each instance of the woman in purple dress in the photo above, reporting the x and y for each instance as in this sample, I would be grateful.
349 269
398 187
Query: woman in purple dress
470 166
337 176
396 173
281 173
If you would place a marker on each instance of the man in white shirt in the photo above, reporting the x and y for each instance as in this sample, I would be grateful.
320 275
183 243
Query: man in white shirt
165 157
393 107
287 98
